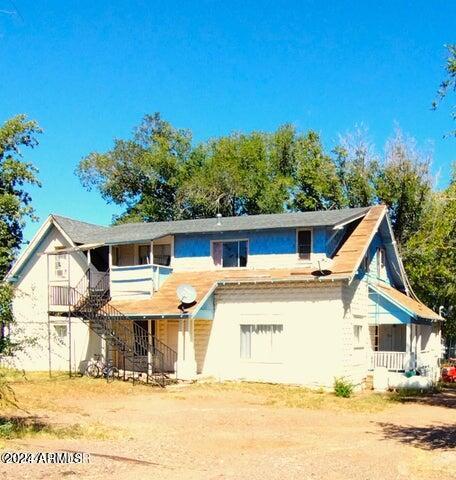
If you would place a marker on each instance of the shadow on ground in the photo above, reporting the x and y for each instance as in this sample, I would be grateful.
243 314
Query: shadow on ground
446 397
428 438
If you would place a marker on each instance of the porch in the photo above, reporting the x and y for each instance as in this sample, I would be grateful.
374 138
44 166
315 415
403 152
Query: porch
404 334
404 347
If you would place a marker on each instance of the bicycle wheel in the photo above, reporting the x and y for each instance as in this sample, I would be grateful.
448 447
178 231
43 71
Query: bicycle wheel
111 373
92 371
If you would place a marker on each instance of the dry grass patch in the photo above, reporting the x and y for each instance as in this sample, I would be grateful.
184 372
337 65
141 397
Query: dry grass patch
37 394
290 396
36 390
12 427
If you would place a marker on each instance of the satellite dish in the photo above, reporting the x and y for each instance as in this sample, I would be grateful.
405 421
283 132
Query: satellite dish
322 272
186 293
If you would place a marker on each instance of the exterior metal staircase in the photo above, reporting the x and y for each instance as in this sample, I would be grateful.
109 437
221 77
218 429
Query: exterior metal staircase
142 355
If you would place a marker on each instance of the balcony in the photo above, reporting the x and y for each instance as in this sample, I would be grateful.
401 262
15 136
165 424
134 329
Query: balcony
137 281
62 294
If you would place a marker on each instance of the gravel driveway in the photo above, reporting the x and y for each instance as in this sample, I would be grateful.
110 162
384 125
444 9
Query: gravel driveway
216 433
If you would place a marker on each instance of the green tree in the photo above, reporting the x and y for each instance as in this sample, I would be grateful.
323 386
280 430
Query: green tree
449 83
15 206
241 174
143 173
316 185
430 255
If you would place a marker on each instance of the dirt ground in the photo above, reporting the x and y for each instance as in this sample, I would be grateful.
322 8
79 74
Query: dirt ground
216 431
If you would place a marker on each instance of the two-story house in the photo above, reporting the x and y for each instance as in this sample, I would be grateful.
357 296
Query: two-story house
291 298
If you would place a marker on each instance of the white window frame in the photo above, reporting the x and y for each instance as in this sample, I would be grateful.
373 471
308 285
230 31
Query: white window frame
231 241
358 336
277 349
305 260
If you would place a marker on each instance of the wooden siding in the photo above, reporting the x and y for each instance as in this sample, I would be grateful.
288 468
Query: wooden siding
202 332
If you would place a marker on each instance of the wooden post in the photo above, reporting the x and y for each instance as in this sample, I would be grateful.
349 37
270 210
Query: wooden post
408 345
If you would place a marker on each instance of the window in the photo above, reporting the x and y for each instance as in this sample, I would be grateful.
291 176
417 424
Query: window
144 254
261 342
304 244
61 332
381 261
230 254
123 255
358 336
162 254
60 266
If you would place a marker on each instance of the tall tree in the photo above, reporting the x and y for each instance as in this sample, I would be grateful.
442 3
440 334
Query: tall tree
142 173
430 255
316 185
15 134
241 174
404 184
449 83
357 168
15 206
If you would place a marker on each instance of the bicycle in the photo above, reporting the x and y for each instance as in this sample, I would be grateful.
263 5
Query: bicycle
96 368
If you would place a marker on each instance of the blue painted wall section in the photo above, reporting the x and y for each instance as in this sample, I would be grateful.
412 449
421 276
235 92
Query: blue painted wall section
377 242
266 242
382 310
206 312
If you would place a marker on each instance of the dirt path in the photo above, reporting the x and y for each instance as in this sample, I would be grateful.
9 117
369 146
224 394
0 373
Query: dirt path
186 434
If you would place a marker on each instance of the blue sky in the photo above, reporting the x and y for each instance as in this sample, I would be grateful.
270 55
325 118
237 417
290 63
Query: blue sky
89 70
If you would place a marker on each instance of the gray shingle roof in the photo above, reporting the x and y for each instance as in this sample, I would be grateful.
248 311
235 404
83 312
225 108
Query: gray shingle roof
82 232
79 232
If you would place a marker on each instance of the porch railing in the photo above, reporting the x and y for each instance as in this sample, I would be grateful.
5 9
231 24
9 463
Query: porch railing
395 361
63 295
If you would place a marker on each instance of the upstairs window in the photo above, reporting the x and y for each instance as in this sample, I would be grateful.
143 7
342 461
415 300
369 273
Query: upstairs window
304 244
228 254
162 254
381 262
144 254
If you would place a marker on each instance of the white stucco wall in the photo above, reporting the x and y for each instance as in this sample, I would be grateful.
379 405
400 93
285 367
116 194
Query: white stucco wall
312 319
30 308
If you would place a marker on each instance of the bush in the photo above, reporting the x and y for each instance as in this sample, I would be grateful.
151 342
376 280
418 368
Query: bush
343 388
